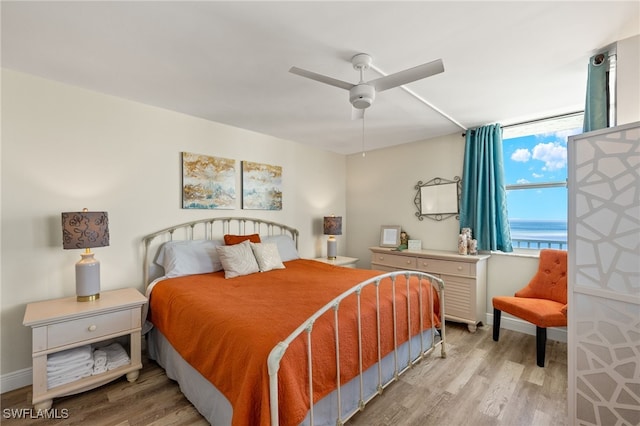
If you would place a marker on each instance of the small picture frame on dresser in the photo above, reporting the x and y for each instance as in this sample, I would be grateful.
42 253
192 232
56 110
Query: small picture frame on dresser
390 236
415 245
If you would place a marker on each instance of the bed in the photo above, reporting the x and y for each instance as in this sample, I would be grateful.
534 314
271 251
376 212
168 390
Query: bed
256 335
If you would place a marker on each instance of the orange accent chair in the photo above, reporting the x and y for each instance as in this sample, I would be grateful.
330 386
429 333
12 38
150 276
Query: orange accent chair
543 302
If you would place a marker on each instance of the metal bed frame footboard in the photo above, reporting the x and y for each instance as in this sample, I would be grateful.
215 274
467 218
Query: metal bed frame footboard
278 352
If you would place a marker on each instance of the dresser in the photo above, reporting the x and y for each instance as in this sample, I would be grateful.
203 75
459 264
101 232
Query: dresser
465 278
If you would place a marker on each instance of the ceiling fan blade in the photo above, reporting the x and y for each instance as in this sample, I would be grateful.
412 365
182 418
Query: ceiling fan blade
407 76
357 113
321 78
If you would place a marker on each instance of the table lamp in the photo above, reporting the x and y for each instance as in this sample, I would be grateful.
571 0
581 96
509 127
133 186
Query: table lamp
84 230
332 227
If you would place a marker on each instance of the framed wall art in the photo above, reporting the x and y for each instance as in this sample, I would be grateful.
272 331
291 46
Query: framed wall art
208 182
261 186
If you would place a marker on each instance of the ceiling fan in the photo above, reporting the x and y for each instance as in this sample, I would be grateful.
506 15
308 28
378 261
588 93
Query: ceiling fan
362 94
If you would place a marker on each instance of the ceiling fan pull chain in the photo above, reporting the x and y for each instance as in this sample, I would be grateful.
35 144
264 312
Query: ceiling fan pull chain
363 153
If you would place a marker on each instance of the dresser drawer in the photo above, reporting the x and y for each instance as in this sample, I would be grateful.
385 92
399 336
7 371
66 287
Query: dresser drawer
393 260
446 267
82 329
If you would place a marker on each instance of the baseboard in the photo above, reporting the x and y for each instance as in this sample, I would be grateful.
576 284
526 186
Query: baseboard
15 380
515 324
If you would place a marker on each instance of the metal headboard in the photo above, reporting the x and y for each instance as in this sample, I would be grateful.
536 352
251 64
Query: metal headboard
208 229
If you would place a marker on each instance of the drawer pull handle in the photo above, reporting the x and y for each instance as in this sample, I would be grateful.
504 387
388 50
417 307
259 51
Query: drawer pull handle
93 327
408 262
459 268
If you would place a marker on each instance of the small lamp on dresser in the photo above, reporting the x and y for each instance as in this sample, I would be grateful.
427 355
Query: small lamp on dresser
332 227
85 230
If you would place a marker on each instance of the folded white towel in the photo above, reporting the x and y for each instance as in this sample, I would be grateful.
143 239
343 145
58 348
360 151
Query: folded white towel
67 369
99 370
99 358
70 356
54 380
116 356
99 361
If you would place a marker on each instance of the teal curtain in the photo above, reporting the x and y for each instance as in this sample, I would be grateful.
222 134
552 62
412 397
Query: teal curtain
483 206
596 109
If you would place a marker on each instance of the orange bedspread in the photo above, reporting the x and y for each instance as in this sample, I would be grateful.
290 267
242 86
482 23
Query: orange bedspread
226 328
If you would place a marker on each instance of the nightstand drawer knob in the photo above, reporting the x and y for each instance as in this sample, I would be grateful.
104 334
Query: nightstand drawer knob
408 262
93 327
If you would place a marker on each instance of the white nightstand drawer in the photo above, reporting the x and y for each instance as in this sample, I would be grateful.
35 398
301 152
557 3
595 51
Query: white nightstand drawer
82 329
446 267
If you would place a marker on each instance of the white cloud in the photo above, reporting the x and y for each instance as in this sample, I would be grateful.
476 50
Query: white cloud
553 154
537 175
521 181
562 135
521 155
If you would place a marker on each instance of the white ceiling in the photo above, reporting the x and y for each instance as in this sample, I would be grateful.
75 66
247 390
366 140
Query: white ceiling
228 61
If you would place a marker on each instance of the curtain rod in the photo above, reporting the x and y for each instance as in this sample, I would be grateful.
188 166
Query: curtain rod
537 120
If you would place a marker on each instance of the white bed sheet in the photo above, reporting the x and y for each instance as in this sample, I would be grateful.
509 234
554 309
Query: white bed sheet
215 407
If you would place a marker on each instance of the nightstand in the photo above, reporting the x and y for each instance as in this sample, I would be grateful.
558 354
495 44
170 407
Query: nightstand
347 262
62 324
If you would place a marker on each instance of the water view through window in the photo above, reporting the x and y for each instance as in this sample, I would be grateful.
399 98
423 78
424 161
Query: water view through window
535 166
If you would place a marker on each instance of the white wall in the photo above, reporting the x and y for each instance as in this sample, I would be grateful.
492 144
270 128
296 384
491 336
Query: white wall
65 148
381 190
628 75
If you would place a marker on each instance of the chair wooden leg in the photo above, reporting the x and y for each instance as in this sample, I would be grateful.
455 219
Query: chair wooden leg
541 343
496 324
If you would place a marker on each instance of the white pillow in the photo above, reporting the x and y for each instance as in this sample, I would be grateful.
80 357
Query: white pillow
267 256
237 259
188 257
286 246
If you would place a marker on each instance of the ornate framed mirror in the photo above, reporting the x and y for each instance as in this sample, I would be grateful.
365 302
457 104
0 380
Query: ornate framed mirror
438 198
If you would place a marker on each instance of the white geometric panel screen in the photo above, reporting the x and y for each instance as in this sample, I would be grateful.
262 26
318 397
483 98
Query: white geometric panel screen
608 362
604 277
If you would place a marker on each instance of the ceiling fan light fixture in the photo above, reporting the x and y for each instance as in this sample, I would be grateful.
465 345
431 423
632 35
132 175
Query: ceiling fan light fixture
362 96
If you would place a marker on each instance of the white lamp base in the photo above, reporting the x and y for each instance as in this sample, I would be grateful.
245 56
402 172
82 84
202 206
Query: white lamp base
332 248
87 278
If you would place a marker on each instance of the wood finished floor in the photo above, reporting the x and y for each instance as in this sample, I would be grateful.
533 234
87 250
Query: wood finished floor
481 382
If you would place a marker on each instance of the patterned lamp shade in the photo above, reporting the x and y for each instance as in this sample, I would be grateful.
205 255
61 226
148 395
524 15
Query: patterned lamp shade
84 230
332 225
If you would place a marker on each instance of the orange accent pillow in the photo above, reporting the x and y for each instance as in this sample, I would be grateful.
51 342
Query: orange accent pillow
231 240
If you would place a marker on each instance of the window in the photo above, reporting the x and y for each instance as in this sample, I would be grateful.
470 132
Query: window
535 167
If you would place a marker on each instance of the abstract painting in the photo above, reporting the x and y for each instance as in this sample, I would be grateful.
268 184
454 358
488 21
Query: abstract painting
208 182
261 186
